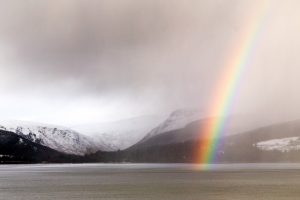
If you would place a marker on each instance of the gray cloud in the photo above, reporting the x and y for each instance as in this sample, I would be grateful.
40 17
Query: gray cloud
165 54
103 43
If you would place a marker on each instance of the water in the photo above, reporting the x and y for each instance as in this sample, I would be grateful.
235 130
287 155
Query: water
149 181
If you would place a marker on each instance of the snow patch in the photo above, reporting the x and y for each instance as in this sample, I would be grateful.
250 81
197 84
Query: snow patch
5 156
282 144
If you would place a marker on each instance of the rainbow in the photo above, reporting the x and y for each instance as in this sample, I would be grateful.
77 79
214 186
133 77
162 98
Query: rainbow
228 87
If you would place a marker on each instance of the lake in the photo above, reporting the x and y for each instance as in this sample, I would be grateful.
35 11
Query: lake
149 181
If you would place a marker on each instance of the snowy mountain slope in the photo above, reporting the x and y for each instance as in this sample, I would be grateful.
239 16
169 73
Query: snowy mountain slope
177 120
58 138
121 134
17 149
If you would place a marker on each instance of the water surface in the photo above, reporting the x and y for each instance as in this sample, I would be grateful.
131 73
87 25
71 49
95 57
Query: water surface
149 181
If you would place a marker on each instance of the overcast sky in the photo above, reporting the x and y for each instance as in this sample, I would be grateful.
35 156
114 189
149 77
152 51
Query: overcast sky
72 62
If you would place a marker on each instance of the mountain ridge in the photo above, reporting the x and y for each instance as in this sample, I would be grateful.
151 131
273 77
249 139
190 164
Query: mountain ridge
56 137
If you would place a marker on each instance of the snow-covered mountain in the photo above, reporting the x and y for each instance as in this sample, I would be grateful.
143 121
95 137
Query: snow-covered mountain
56 137
121 134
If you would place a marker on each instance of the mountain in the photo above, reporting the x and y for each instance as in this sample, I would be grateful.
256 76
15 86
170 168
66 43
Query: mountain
17 149
273 143
176 127
55 137
177 120
120 134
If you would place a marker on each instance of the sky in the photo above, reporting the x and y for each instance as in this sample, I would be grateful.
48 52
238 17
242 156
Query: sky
70 62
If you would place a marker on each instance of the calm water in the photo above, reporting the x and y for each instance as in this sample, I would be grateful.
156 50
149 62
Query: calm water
149 181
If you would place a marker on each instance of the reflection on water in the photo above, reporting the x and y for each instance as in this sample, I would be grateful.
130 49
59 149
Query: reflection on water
150 181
